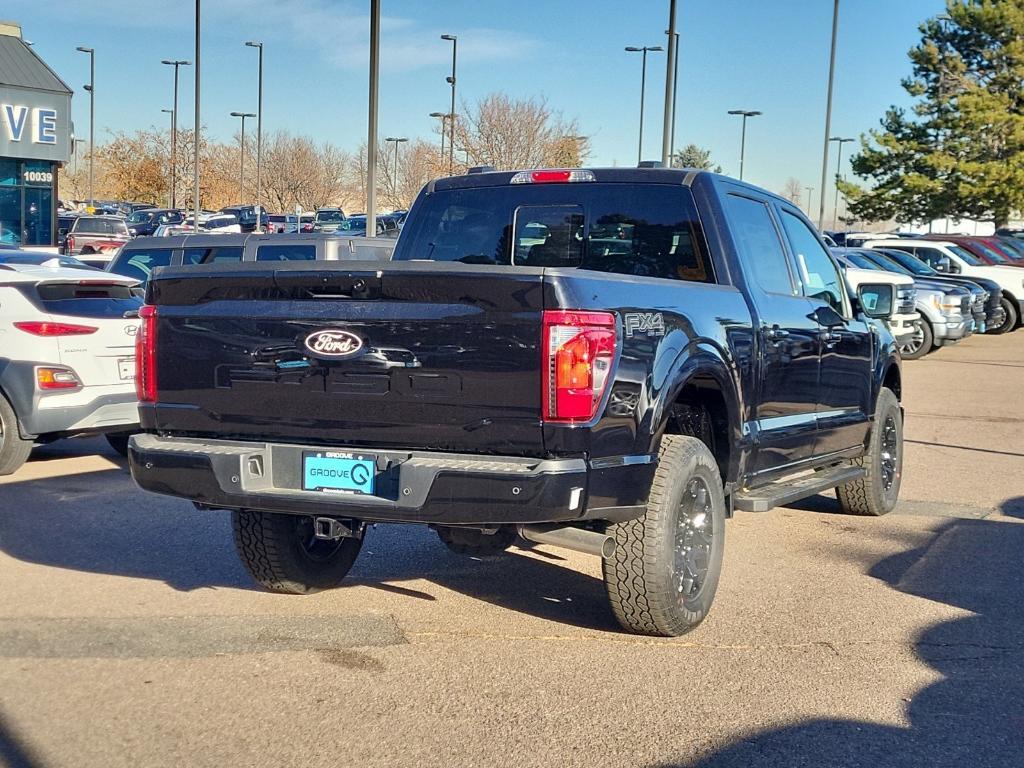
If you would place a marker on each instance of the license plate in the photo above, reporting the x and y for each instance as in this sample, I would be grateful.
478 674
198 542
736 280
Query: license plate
339 472
126 368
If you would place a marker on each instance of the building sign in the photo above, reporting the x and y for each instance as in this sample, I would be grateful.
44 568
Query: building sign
34 125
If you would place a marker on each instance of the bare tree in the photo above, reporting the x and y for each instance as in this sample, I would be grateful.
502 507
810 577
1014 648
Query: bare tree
793 190
509 134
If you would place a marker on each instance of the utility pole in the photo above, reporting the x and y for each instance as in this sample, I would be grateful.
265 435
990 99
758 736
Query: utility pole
442 117
451 115
195 131
91 88
828 116
643 89
670 79
259 132
371 139
809 191
394 179
174 128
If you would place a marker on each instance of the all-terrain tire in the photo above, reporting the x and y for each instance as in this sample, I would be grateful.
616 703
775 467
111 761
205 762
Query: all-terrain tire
647 577
14 450
477 543
280 553
878 491
913 352
1010 308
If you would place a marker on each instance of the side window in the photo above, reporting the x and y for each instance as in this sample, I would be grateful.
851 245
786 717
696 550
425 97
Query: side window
275 252
213 253
759 246
818 273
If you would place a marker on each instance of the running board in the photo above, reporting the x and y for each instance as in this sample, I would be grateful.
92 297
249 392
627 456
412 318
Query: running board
787 491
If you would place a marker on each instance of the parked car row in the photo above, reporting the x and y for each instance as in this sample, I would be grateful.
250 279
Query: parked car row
961 285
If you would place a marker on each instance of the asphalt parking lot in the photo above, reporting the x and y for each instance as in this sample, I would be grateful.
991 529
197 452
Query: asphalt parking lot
130 635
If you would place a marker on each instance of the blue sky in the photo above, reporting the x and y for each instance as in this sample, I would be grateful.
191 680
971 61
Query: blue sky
734 54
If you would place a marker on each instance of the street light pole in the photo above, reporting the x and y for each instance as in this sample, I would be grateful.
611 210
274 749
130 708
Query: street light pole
195 130
371 139
675 89
443 117
670 80
91 88
170 193
174 129
839 162
451 114
745 113
259 133
643 88
241 170
809 191
394 179
828 116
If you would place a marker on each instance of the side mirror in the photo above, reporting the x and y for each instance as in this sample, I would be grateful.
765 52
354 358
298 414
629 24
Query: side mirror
877 300
62 232
943 265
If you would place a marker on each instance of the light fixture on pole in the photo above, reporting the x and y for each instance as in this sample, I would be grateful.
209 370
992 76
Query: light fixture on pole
743 134
174 128
828 116
259 131
643 88
91 88
839 162
451 114
443 116
170 192
241 169
396 140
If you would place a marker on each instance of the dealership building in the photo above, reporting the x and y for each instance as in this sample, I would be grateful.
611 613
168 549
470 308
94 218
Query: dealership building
35 140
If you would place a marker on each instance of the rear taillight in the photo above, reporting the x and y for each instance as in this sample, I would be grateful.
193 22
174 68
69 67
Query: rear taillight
578 351
145 355
69 242
55 329
57 378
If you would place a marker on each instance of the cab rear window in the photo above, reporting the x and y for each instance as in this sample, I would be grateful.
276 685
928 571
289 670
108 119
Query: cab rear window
645 230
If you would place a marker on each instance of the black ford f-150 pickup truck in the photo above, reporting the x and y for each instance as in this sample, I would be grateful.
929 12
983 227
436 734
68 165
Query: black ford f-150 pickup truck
610 360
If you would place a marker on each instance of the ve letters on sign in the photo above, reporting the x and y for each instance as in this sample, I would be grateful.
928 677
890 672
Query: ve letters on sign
44 123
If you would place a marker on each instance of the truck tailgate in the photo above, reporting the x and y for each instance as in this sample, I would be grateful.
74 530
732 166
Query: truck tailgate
448 359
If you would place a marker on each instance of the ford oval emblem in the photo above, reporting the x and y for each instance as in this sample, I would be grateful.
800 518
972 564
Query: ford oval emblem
334 343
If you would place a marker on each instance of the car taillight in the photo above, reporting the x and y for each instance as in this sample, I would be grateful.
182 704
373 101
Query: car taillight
578 351
69 242
55 329
145 355
57 378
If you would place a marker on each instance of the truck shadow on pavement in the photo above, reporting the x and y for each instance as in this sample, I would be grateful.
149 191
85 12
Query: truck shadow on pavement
99 522
974 716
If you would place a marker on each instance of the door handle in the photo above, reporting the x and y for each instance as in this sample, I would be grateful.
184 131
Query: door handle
831 337
775 333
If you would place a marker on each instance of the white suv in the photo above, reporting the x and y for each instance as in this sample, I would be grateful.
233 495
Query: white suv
67 357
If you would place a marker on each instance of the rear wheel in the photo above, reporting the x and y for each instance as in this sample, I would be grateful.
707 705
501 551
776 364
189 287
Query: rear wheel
14 450
119 442
877 492
664 573
1010 321
473 541
920 344
283 555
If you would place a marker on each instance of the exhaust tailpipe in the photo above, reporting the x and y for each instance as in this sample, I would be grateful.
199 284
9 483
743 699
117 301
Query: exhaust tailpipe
570 537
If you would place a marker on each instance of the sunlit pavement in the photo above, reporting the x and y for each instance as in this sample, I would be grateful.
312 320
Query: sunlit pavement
130 635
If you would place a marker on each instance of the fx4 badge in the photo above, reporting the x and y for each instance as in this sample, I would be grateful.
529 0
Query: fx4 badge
647 323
